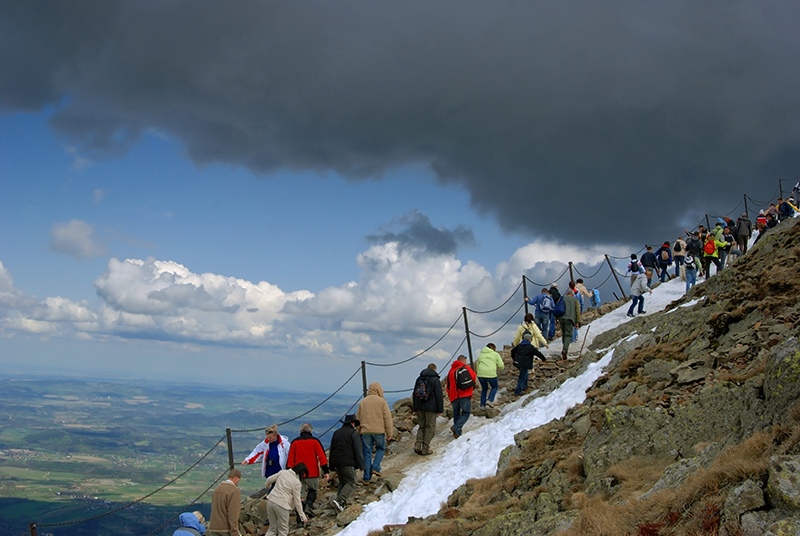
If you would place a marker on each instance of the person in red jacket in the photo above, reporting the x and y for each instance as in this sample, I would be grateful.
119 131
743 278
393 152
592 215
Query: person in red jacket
308 450
461 399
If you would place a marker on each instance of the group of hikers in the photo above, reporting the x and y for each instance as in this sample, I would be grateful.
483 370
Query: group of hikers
293 469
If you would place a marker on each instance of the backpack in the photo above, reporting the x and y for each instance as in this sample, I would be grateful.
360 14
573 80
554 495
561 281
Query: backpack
546 305
635 267
664 255
463 379
710 247
678 247
422 391
690 265
560 309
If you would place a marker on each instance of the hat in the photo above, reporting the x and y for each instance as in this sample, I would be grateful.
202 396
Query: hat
720 220
351 418
555 285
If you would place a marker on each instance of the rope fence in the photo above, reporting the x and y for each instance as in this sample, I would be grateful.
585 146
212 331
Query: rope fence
570 269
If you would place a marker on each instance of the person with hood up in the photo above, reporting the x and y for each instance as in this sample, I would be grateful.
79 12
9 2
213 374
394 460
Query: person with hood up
191 524
285 497
460 398
346 455
523 356
376 428
744 228
638 289
427 409
272 452
486 368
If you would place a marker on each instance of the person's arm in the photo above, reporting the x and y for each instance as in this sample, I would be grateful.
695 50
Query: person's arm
233 508
256 455
388 423
296 502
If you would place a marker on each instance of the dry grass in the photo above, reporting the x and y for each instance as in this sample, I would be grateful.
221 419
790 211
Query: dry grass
668 351
740 376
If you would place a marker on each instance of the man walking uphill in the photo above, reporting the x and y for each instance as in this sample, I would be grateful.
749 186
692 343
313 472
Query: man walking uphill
225 507
307 449
570 319
346 456
428 404
460 384
376 428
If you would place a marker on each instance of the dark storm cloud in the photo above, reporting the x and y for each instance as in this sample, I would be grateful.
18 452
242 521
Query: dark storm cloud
579 120
419 235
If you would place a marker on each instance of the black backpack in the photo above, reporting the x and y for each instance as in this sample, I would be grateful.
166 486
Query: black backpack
463 379
422 391
678 247
635 267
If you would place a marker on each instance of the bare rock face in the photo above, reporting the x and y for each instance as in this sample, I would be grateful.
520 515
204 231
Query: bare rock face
783 486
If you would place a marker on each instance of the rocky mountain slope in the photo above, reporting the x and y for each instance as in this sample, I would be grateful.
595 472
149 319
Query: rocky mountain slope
693 429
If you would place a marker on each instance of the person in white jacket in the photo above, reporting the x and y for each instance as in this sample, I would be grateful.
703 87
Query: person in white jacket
272 452
638 289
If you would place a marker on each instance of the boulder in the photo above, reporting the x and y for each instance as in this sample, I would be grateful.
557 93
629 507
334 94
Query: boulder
783 484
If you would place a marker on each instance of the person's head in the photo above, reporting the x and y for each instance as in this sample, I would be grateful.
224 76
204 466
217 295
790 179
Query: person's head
462 358
649 273
527 337
272 434
432 366
666 244
351 420
235 476
579 281
528 318
199 516
306 427
492 346
301 470
649 248
545 291
572 285
633 256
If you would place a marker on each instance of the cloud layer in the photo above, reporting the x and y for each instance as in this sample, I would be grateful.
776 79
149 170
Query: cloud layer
547 113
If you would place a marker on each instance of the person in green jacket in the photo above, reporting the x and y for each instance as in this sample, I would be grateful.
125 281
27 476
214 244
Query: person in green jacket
486 367
710 244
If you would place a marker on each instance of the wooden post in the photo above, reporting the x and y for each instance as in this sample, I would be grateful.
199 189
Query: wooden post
571 277
364 377
469 341
708 225
32 528
614 273
231 464
525 292
745 207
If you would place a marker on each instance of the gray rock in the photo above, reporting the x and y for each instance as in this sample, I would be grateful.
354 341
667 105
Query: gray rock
525 524
691 371
783 485
392 481
747 496
789 526
349 515
756 523
658 370
782 379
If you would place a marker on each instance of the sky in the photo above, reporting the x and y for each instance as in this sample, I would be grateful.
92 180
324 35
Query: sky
269 193
423 490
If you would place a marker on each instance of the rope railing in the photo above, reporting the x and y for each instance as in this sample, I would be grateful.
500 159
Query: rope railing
612 270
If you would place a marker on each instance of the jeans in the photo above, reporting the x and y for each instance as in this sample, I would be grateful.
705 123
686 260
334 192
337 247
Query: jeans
634 301
664 273
552 331
368 441
574 334
707 261
461 409
723 255
485 384
678 263
691 278
522 381
543 321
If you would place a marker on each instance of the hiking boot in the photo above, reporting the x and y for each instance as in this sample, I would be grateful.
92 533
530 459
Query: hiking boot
642 312
418 451
337 506
630 315
455 434
377 473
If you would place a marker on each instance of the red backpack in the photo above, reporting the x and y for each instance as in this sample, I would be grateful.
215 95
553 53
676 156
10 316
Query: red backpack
710 246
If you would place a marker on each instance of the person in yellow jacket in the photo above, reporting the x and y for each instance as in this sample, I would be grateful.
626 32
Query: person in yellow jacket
536 335
711 253
489 361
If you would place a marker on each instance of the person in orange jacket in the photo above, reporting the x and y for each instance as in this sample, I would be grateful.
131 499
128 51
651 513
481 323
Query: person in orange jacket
460 396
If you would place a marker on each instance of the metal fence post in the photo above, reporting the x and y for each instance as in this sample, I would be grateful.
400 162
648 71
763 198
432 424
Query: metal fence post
364 377
614 272
469 342
230 448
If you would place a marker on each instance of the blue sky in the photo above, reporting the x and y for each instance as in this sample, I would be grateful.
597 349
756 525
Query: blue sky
269 193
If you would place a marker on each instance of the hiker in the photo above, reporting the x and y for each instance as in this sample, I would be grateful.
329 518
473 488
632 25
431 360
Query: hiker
308 450
556 295
376 428
650 262
724 251
679 256
634 268
346 455
460 384
572 287
694 247
486 368
638 289
569 320
664 256
191 524
543 307
523 356
582 292
743 231
225 507
285 497
691 271
272 452
529 325
711 254
427 406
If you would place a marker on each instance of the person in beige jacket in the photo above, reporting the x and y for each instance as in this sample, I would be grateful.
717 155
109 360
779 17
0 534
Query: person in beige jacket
225 507
376 428
284 498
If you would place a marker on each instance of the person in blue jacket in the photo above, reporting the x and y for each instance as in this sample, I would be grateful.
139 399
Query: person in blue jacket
191 524
664 256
